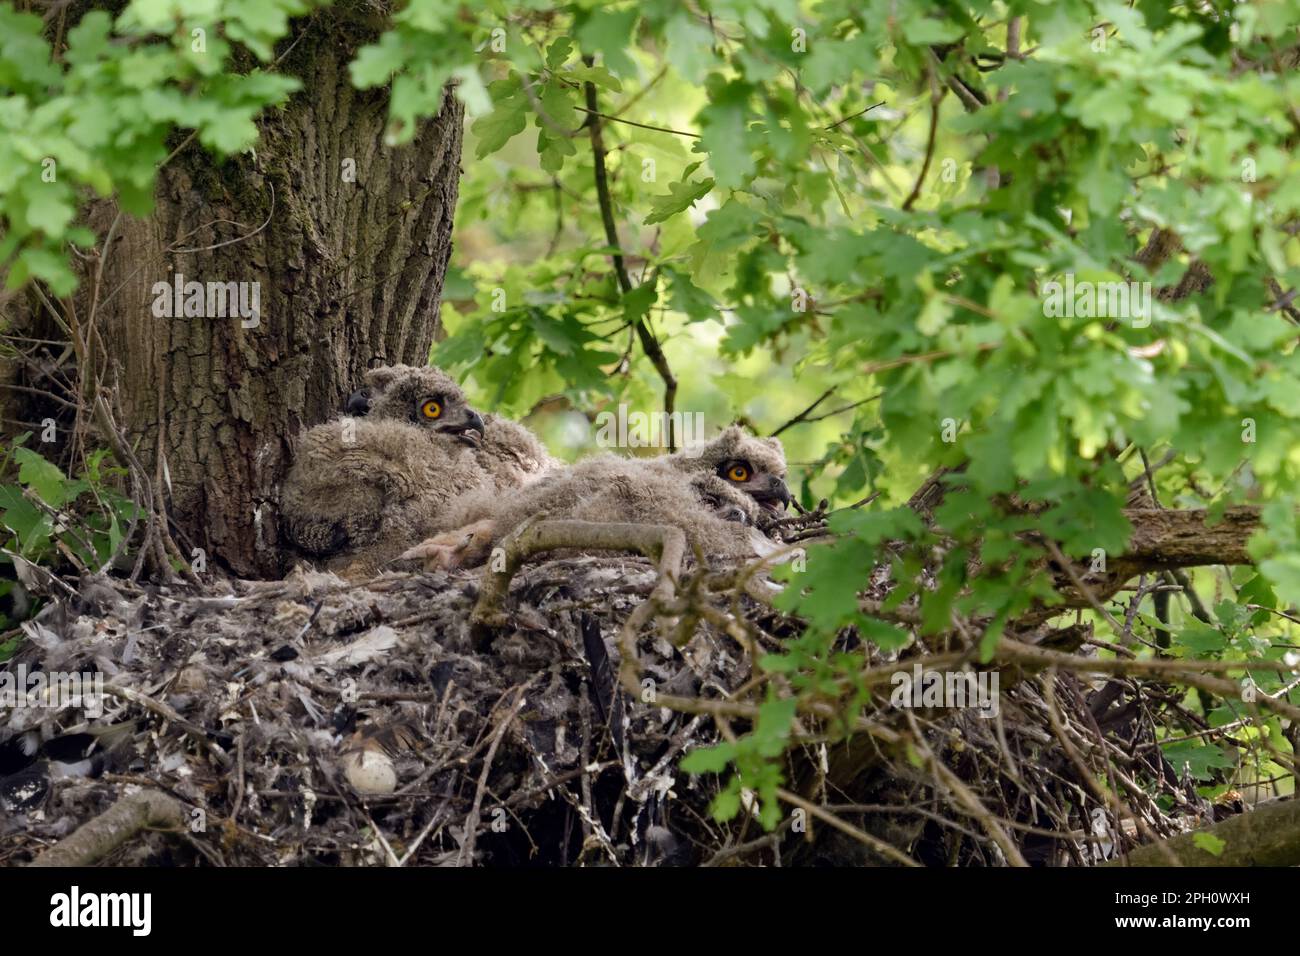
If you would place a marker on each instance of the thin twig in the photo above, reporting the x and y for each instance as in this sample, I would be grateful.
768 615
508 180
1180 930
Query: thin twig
649 344
936 100
627 122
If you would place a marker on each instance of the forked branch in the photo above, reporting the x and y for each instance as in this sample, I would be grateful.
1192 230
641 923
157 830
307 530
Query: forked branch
661 543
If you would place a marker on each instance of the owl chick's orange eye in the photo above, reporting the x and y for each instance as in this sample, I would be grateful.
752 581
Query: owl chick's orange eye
431 409
738 473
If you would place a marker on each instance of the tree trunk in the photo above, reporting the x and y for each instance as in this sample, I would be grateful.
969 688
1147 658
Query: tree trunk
350 274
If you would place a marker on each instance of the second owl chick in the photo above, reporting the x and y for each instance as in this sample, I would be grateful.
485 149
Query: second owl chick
718 494
736 468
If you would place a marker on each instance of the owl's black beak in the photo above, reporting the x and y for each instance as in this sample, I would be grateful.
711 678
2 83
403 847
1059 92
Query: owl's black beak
358 403
775 496
470 429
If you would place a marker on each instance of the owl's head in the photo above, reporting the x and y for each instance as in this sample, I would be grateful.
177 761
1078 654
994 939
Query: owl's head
426 396
753 465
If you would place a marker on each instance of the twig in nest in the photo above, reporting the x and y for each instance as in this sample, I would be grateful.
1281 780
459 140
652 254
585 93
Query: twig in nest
1109 799
967 798
471 821
1192 673
1082 588
880 846
167 713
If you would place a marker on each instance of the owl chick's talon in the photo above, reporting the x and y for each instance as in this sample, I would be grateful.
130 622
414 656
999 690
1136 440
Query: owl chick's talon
437 554
453 549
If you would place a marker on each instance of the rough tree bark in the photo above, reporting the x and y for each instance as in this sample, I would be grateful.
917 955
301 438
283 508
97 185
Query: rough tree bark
350 274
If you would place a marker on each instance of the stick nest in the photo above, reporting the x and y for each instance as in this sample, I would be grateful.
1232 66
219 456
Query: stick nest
315 722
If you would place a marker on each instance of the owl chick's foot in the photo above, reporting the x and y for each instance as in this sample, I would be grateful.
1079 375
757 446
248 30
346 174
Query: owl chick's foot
464 547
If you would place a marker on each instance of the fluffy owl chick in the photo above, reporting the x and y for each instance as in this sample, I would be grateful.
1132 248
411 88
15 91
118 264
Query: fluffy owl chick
736 470
715 493
362 490
509 452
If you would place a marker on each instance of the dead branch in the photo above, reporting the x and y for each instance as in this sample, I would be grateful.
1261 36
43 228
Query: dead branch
92 841
1268 835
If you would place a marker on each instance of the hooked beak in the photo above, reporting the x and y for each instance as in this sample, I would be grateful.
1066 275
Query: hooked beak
775 497
469 429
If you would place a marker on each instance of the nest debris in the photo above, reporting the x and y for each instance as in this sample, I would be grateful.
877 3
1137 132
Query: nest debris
315 722
249 706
